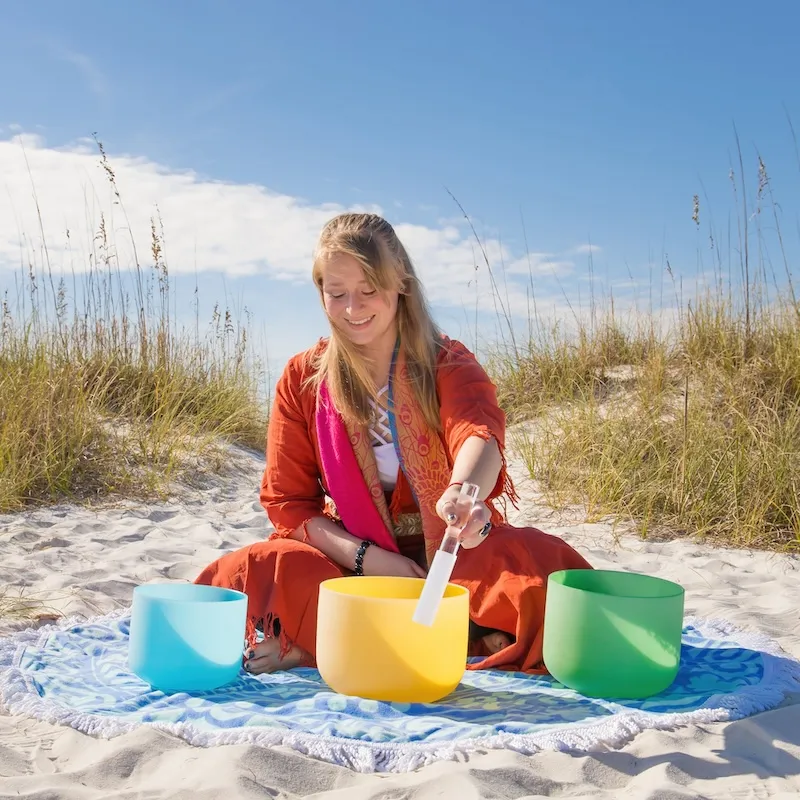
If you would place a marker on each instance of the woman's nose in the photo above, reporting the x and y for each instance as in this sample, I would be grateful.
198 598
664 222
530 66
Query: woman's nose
354 303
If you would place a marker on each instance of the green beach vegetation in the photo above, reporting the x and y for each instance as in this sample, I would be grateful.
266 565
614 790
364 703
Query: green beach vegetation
684 419
102 394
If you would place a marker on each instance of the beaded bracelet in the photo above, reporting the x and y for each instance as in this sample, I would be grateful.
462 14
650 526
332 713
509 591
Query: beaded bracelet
360 556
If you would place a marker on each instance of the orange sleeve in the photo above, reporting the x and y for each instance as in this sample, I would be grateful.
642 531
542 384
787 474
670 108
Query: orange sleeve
468 404
291 491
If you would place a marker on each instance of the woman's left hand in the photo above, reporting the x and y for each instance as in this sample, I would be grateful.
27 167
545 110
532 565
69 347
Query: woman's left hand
468 525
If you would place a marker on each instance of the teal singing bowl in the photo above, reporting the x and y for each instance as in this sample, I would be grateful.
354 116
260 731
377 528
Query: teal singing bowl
186 638
614 635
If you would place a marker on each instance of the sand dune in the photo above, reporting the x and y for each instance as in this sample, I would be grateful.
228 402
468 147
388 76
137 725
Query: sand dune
87 562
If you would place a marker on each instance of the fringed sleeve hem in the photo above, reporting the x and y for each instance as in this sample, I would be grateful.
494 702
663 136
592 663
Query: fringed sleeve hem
469 407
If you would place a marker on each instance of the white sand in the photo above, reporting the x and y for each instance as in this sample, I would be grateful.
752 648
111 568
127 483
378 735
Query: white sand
88 563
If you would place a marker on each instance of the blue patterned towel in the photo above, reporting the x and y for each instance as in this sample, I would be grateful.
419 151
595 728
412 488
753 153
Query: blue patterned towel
76 674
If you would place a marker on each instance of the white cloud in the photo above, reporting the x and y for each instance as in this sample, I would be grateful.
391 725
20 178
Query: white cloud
215 226
586 249
540 264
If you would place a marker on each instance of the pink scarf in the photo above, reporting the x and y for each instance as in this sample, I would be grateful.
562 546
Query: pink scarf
344 478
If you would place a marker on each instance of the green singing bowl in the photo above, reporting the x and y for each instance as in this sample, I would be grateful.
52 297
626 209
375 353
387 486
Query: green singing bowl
612 635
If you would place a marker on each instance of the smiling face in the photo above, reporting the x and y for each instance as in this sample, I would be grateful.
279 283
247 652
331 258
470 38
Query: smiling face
364 314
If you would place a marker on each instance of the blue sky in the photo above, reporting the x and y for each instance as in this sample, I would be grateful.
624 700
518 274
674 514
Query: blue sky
249 124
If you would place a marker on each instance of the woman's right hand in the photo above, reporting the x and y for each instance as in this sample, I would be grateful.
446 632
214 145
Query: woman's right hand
384 563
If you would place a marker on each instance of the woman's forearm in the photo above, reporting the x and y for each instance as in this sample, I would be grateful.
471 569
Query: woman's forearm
337 544
478 461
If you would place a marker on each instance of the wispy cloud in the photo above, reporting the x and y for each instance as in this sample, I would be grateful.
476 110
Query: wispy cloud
94 77
221 227
586 249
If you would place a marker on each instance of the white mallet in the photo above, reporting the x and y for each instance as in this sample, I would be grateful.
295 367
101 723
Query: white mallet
443 562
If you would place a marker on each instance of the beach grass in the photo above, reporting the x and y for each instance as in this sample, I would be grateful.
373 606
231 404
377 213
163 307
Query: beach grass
698 435
102 394
16 605
678 421
684 419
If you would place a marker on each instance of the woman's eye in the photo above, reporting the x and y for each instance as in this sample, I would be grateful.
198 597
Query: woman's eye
340 295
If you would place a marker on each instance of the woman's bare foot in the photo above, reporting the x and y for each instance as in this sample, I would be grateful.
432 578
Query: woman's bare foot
497 641
266 658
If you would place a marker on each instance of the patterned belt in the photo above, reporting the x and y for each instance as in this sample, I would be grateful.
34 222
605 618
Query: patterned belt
405 525
408 525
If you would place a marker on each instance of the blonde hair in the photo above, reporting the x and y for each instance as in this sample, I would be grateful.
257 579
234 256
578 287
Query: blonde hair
372 241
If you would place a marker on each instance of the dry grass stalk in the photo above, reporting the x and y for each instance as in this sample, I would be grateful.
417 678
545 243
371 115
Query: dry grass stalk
693 429
101 395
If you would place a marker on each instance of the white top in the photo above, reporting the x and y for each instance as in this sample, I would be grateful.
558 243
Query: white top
381 435
388 465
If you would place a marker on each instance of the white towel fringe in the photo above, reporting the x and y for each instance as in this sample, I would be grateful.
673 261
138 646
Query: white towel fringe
781 677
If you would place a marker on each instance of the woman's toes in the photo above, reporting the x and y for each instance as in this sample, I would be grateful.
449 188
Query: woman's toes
266 658
495 642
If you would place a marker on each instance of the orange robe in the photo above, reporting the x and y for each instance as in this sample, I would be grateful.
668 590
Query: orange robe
505 575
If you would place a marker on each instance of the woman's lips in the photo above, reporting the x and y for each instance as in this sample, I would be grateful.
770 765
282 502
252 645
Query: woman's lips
361 323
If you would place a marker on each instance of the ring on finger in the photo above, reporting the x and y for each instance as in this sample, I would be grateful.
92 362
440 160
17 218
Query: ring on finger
484 531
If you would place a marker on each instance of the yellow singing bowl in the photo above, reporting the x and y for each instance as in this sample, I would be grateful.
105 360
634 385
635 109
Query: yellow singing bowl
369 646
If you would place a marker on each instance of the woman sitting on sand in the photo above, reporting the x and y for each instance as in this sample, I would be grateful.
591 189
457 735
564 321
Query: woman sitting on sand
371 435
